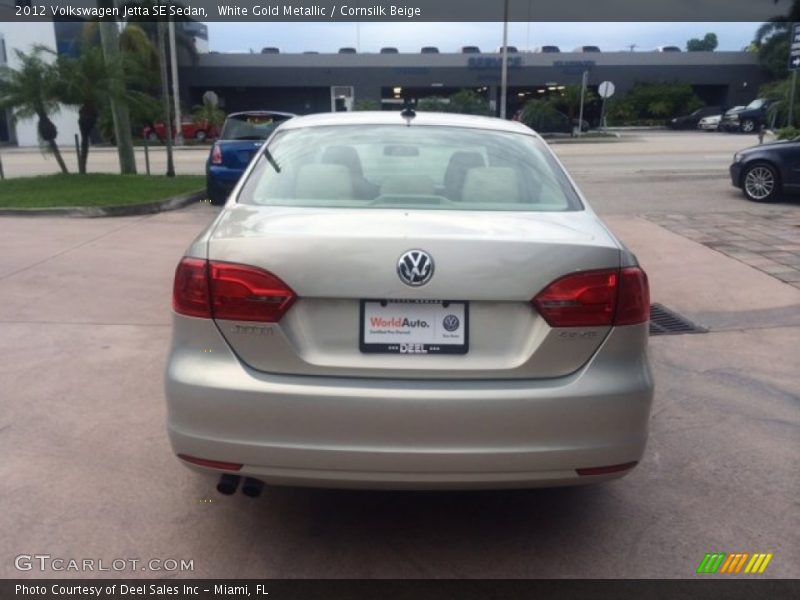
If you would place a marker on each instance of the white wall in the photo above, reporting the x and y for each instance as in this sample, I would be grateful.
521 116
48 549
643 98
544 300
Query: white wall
24 36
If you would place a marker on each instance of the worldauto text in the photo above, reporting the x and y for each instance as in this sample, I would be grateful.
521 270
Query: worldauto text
344 10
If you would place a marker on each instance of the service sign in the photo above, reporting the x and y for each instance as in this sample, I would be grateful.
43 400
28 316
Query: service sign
794 50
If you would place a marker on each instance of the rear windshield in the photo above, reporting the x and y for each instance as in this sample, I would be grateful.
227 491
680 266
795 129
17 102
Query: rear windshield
395 166
250 126
757 103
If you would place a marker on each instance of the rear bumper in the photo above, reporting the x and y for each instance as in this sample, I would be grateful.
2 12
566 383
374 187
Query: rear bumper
220 182
408 434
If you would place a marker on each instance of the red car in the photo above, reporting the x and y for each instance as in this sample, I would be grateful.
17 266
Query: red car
191 131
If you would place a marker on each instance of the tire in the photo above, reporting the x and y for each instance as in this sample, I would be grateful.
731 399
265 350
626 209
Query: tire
200 135
761 182
152 136
748 126
215 195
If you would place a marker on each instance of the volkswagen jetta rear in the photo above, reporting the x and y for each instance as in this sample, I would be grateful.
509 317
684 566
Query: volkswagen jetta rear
416 302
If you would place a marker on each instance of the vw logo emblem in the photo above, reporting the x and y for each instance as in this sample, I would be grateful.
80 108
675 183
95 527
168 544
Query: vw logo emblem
451 322
415 267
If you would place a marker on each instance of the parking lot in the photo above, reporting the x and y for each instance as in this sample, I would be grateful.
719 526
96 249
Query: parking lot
87 471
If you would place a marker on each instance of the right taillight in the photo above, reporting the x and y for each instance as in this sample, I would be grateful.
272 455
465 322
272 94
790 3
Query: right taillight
596 299
633 299
221 290
216 155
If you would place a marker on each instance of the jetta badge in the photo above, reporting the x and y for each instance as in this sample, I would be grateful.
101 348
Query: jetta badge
415 267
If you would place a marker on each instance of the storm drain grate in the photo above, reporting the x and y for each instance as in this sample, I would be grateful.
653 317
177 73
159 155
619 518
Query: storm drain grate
665 322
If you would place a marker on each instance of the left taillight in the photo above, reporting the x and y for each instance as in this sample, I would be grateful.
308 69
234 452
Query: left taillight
190 293
216 155
222 290
245 293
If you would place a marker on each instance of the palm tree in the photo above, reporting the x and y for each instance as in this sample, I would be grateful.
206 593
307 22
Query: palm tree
89 82
162 53
209 114
33 91
772 41
183 41
109 38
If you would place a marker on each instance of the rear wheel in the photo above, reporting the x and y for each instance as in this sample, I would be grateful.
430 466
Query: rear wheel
200 135
760 183
748 126
152 136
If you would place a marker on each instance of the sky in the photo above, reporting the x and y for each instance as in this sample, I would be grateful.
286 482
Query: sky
449 37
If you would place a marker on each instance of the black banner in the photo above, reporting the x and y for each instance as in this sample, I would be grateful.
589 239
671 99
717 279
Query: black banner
732 588
397 10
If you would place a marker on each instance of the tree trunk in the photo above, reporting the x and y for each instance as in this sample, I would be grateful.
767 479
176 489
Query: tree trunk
48 132
87 118
162 59
57 153
109 36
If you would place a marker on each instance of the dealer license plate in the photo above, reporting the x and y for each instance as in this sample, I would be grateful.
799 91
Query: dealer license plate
414 327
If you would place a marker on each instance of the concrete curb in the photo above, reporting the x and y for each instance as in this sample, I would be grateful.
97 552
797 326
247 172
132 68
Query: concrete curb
128 210
612 137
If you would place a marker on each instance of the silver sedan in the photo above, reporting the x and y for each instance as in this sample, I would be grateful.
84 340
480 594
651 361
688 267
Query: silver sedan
408 301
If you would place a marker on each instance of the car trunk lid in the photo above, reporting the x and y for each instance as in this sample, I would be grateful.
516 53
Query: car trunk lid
334 259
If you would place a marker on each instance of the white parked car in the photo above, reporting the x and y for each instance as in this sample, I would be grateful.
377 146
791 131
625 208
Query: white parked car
408 301
710 123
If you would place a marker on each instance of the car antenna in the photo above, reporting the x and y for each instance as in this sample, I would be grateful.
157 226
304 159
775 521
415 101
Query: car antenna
408 112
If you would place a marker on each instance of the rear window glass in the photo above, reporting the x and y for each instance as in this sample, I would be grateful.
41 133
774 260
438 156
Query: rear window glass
250 126
395 166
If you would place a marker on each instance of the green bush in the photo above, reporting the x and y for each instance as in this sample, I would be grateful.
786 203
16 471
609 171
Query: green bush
659 100
788 133
465 102
568 100
367 105
542 115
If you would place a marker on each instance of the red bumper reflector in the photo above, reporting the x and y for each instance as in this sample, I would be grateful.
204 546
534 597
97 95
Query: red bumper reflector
213 464
607 470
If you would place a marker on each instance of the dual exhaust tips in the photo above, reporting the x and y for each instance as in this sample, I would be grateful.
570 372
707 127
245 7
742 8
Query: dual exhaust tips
228 484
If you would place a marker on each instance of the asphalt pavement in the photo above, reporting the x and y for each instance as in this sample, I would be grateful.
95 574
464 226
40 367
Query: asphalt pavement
87 471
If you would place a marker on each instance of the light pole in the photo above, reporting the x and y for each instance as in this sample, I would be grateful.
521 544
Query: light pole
173 54
504 66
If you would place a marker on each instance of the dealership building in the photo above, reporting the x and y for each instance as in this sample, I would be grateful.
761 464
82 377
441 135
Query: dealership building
308 83
317 82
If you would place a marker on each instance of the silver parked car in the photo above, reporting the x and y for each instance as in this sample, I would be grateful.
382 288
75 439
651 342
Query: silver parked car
408 301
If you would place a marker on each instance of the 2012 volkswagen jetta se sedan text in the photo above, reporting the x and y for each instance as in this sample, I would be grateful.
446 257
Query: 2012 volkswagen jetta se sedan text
408 301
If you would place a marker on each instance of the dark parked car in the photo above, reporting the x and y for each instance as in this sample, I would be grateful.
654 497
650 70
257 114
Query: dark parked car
690 121
549 49
747 119
764 173
587 49
470 50
429 50
242 135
